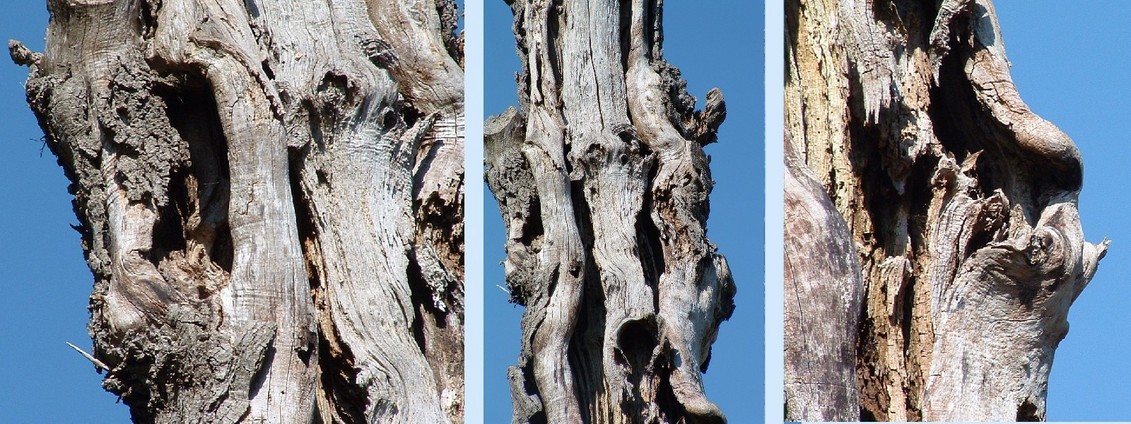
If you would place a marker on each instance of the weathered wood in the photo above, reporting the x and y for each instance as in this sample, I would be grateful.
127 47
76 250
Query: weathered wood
823 297
603 184
270 195
960 202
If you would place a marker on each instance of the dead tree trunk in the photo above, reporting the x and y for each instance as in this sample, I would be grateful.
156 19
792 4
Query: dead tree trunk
603 186
958 202
270 198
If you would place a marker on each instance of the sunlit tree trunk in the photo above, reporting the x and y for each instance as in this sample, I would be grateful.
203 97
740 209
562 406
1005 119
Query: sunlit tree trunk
933 244
603 186
270 197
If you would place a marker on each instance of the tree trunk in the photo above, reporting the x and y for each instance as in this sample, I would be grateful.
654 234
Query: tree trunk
959 202
270 198
603 186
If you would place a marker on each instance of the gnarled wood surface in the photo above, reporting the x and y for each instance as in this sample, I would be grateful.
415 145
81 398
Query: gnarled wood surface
960 203
270 195
603 185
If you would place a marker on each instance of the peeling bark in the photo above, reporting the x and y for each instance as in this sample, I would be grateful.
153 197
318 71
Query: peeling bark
603 185
959 202
271 203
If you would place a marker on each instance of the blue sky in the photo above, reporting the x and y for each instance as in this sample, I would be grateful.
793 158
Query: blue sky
714 44
1070 64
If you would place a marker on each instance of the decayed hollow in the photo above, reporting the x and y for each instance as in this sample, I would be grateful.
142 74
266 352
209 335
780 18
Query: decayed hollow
603 185
959 201
270 195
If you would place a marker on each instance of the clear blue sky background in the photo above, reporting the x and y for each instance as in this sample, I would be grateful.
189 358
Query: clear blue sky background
1070 64
714 44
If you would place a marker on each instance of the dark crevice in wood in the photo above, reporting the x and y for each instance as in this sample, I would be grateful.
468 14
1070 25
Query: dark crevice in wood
966 127
266 66
339 380
421 296
669 406
305 222
532 233
920 193
191 110
169 232
1027 412
586 343
409 114
949 107
625 31
650 250
315 124
532 229
556 19
866 415
252 9
879 199
223 251
907 301
146 18
636 342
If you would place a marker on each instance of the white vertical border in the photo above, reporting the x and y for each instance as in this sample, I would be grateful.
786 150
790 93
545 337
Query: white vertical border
473 212
775 203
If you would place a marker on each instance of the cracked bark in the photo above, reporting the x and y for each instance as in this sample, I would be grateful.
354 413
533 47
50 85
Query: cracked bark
603 184
270 196
910 149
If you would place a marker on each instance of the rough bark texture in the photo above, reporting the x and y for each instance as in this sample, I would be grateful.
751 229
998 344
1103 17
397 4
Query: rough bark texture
270 198
603 184
960 204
